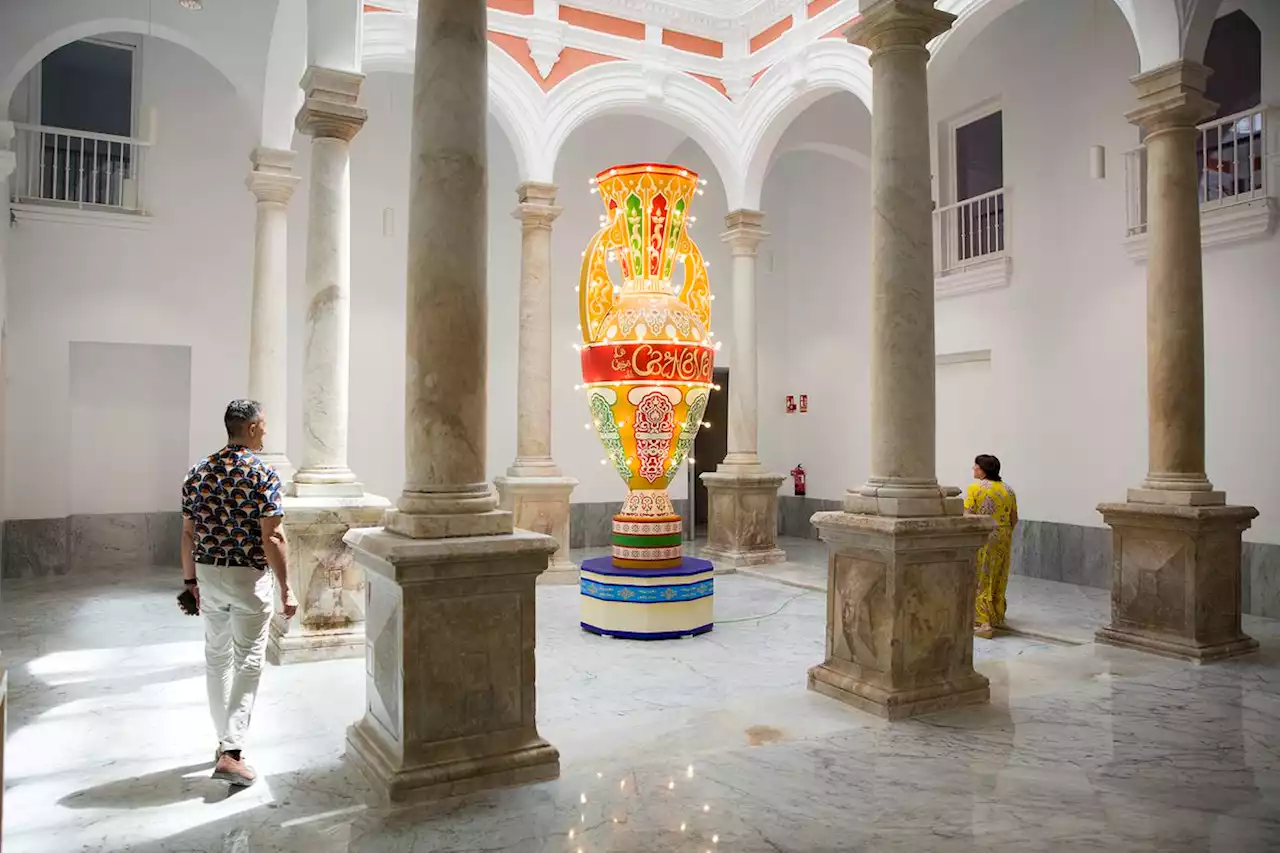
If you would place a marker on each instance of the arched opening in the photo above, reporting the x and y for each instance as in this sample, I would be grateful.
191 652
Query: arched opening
811 289
1231 147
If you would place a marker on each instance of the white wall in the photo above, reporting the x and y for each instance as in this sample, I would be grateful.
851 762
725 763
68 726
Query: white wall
1068 338
814 299
184 282
130 416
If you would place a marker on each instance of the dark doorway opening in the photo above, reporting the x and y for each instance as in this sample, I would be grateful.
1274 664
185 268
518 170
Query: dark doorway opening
711 445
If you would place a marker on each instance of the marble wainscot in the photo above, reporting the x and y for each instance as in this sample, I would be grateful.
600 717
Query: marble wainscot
329 585
457 713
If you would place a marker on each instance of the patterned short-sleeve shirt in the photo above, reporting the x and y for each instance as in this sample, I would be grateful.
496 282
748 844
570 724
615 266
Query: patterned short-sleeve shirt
226 496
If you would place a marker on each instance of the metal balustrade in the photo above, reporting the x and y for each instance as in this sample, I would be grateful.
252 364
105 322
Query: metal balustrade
969 232
75 168
1231 161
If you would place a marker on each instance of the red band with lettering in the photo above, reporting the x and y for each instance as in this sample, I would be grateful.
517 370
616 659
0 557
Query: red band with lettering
660 362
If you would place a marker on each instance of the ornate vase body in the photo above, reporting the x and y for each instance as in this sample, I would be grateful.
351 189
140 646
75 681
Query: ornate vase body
647 362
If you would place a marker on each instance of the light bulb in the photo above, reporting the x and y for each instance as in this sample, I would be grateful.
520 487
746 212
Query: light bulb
602 462
582 798
593 190
692 460
713 297
576 288
707 424
716 387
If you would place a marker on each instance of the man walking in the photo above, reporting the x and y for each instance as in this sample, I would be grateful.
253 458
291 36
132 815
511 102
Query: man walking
231 535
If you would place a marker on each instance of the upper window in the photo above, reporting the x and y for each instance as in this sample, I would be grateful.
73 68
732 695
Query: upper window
979 147
1235 55
88 86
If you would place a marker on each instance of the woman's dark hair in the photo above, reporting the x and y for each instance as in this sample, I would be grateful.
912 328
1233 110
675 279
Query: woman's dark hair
990 466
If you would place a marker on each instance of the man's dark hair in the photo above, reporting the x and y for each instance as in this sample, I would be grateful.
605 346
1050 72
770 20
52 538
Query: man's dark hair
990 466
239 414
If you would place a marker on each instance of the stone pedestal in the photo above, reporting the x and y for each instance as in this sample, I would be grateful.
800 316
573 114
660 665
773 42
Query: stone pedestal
1175 584
325 579
541 504
451 629
742 519
900 598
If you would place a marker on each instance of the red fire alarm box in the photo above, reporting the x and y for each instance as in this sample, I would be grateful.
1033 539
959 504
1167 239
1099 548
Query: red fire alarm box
804 403
791 404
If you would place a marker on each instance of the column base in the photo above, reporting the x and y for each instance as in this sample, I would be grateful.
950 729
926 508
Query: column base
900 601
1175 584
281 465
450 695
375 759
898 704
299 489
904 500
742 524
541 504
329 586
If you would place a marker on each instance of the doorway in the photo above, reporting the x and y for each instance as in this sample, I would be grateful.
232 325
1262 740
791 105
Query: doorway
711 445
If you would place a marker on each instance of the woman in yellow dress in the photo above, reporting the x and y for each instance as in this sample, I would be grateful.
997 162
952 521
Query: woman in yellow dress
990 495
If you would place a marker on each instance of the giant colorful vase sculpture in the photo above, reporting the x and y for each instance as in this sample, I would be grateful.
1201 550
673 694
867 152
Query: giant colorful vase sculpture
647 360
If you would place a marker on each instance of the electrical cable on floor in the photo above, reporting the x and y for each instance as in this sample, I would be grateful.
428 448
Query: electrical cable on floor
766 615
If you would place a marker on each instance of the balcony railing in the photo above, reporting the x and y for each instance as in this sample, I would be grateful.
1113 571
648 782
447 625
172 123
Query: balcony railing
1231 160
75 168
969 232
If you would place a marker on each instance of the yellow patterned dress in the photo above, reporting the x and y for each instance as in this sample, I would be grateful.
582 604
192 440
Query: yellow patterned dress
996 499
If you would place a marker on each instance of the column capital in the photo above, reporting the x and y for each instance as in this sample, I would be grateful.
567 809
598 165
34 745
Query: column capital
1171 96
537 208
272 178
330 109
897 24
746 232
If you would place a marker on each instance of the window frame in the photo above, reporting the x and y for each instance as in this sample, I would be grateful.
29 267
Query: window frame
953 125
134 46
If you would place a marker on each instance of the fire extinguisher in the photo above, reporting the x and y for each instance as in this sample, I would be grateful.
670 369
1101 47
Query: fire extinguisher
797 477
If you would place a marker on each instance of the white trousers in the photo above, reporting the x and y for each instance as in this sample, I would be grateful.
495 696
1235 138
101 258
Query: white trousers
236 603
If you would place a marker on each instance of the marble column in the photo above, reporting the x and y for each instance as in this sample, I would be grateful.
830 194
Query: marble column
900 599
534 490
1175 587
451 701
272 182
324 500
742 498
331 116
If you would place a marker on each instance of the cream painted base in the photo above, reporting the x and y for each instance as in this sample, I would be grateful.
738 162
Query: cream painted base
541 504
1175 584
328 584
742 523
900 597
450 703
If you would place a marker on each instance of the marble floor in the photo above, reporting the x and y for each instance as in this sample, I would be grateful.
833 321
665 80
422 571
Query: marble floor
695 745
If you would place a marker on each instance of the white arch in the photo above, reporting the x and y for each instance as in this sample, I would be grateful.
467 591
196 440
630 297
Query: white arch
286 63
785 91
1164 30
517 104
515 101
670 97
245 88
